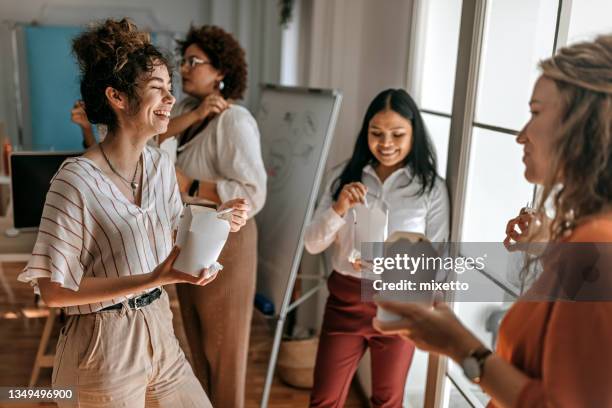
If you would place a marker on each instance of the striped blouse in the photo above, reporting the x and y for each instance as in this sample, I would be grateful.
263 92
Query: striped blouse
90 229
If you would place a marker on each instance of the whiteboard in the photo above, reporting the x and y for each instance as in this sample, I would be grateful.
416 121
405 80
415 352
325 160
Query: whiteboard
296 126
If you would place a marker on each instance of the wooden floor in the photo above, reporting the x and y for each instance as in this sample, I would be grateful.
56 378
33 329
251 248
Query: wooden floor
21 324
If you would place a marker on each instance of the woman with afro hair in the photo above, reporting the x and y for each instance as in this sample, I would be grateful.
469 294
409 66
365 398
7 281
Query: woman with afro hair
219 158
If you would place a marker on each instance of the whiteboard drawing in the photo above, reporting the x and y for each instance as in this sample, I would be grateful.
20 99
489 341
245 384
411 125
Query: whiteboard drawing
278 159
302 130
293 144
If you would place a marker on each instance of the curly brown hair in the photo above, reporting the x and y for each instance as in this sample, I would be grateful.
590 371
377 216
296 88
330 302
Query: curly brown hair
225 54
582 158
116 54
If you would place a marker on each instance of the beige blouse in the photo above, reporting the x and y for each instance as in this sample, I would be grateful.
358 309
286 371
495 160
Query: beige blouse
226 151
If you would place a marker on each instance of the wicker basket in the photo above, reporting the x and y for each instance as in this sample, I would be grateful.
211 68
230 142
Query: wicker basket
296 361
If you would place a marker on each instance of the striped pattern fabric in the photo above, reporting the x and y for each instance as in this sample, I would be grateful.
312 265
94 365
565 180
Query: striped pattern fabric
90 229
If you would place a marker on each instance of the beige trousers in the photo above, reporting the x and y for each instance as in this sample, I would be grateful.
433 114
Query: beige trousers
217 319
125 358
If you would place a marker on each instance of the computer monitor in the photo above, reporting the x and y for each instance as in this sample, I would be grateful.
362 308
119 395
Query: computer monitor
31 174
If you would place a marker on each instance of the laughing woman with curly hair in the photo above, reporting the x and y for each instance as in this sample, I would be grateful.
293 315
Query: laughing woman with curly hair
104 249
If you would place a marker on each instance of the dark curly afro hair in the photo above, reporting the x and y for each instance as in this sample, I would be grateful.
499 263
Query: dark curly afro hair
225 54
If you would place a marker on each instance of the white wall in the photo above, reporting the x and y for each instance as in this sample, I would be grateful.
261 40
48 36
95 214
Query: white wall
255 23
290 48
165 14
360 47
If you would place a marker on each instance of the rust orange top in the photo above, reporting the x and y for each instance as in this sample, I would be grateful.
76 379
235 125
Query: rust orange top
564 347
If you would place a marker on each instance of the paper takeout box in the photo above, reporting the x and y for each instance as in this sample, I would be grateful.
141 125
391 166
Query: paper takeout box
201 236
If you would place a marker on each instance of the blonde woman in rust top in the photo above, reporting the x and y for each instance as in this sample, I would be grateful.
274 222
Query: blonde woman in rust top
555 353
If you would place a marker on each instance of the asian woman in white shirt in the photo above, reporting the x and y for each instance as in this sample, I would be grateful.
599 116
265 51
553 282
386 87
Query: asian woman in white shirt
394 165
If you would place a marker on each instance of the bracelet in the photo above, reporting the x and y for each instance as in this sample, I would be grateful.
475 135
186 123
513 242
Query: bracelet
194 188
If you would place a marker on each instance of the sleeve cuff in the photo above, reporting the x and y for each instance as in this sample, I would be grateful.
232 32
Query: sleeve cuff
31 276
228 190
224 191
333 219
44 264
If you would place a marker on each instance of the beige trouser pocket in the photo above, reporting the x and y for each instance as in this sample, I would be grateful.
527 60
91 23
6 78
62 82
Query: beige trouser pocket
60 348
89 329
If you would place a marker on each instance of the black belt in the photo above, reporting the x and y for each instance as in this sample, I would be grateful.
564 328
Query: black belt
138 301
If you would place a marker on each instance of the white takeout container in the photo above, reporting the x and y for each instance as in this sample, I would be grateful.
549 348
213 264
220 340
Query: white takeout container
201 236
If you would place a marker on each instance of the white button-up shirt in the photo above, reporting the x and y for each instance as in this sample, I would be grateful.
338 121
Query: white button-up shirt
427 214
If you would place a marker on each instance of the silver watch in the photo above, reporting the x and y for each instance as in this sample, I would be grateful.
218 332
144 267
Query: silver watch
473 364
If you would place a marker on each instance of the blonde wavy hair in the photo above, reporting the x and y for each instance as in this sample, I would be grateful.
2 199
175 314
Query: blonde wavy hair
580 183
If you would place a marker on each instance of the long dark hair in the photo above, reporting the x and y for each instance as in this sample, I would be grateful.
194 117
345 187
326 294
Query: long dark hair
422 157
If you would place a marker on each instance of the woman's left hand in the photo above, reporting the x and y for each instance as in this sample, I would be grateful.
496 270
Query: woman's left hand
239 215
434 329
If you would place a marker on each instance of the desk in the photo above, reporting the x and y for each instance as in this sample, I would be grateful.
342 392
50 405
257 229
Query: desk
16 249
19 249
5 193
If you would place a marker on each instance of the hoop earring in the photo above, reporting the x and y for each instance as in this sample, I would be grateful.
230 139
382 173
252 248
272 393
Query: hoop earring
221 85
